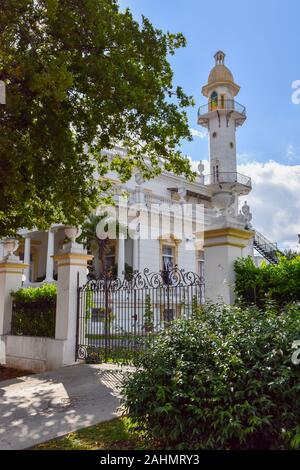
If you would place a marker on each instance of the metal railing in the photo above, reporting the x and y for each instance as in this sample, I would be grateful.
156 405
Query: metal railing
269 250
227 105
264 242
228 177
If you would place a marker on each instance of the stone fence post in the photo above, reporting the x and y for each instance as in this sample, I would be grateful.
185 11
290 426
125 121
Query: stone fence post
71 272
11 271
222 246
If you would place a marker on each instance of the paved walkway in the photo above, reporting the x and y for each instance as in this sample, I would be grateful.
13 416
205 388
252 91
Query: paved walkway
39 407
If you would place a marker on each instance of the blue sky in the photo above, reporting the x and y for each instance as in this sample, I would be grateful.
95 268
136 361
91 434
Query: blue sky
261 42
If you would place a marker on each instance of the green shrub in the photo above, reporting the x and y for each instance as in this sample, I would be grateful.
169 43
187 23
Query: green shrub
148 315
35 294
279 283
222 380
34 311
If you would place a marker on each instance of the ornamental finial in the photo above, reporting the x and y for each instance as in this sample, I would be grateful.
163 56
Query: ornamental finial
219 57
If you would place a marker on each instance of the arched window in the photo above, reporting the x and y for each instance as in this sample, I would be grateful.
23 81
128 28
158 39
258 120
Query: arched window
213 100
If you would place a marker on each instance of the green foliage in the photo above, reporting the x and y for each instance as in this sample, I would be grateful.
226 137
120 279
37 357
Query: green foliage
279 283
82 75
34 311
128 272
195 306
35 294
221 380
290 254
148 315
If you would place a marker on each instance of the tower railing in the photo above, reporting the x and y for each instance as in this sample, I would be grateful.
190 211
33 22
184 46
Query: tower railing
269 250
224 105
228 177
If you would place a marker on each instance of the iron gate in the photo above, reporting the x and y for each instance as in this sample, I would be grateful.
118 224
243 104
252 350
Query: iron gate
118 318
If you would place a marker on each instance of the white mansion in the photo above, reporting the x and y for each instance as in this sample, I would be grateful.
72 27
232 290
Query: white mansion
224 236
115 313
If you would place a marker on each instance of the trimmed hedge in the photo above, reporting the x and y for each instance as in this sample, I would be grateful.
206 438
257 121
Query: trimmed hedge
34 311
221 380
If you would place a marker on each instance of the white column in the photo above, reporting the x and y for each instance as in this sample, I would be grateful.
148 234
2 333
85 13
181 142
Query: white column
121 256
27 257
1 250
50 253
135 254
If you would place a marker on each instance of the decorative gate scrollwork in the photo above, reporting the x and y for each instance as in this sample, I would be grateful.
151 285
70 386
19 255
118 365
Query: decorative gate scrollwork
119 317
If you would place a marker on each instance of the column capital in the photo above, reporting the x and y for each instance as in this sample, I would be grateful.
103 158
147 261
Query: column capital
12 266
72 259
229 236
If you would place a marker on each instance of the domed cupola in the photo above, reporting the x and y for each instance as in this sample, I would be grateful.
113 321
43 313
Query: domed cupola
220 75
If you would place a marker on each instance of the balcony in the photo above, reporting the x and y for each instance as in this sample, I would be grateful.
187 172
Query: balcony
229 107
229 180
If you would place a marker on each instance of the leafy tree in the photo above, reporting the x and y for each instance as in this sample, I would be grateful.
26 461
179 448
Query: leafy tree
82 76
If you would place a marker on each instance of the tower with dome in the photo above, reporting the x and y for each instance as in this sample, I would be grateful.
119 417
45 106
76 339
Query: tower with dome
222 115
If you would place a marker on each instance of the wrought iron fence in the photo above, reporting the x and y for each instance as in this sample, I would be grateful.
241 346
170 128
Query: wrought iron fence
119 318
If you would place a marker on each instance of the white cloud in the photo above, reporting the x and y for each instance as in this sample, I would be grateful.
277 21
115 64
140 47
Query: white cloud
197 133
274 200
291 154
245 157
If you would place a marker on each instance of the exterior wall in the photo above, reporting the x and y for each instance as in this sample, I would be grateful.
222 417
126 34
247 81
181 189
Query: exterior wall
32 353
149 255
186 258
219 146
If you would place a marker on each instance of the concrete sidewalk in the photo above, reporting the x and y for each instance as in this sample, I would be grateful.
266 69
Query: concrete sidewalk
39 407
